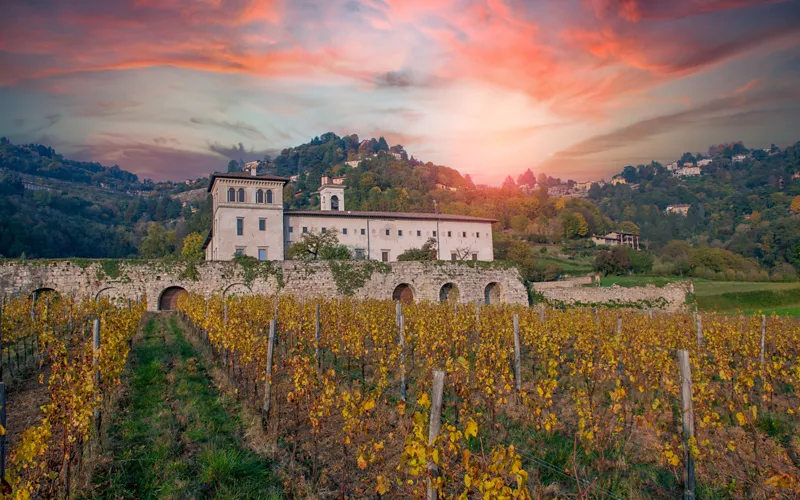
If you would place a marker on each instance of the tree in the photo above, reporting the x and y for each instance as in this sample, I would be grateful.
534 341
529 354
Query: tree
426 253
629 227
318 246
193 247
527 177
233 166
795 206
509 183
157 243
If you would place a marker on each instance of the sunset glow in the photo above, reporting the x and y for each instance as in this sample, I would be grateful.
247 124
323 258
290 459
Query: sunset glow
173 89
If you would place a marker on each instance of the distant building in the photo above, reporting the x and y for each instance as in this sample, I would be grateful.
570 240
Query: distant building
397 156
672 166
618 180
558 191
250 165
352 163
615 238
582 186
293 178
679 209
687 171
445 187
705 162
249 219
739 158
687 164
327 179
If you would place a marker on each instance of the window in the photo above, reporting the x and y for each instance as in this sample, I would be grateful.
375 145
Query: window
269 196
262 224
239 226
434 233
363 231
241 195
474 256
464 234
399 232
335 203
449 234
419 233
291 229
385 255
359 253
324 230
453 256
259 196
231 195
262 254
387 232
240 250
477 235
305 229
344 230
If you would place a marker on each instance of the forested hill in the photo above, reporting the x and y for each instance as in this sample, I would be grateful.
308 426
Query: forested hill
741 201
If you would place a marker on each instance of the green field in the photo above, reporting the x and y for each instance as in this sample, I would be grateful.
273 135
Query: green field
729 297
570 266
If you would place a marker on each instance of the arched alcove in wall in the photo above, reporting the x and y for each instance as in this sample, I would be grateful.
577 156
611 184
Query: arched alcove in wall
168 301
492 293
403 293
448 293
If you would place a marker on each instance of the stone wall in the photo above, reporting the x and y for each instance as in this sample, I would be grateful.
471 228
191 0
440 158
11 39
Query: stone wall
129 279
671 297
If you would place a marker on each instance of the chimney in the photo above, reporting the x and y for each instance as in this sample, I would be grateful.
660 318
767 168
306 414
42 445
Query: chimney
325 180
253 170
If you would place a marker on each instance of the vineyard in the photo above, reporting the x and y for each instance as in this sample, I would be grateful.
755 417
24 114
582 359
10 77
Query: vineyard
356 399
61 345
593 410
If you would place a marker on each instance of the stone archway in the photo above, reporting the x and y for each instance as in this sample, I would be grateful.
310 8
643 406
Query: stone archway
491 294
44 291
236 290
449 293
168 301
403 293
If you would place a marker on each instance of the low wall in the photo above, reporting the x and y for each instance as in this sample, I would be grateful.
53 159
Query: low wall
670 297
131 279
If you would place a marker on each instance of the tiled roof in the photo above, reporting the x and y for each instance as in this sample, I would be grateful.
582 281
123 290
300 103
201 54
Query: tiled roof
245 176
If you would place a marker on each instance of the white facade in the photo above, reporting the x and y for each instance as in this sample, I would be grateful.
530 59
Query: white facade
704 162
384 236
687 171
258 226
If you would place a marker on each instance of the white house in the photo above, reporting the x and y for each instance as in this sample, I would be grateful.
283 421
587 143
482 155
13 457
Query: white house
739 158
672 166
249 219
679 209
704 162
687 171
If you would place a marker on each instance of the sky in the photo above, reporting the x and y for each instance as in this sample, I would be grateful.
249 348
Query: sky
174 89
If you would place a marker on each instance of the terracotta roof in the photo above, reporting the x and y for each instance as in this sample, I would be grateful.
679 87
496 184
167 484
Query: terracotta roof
388 215
245 176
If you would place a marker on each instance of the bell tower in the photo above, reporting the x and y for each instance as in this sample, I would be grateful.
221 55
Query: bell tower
331 195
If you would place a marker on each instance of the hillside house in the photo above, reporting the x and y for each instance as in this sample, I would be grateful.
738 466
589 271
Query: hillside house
615 238
679 209
249 219
352 163
618 180
738 158
558 191
704 163
445 187
687 171
672 166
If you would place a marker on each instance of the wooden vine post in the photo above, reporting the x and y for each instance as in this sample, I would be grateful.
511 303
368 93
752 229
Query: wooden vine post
434 429
541 314
2 308
268 384
316 340
517 355
402 340
96 363
3 441
761 359
687 408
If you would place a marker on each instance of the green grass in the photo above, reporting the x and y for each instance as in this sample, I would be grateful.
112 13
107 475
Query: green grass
633 281
564 265
175 436
781 298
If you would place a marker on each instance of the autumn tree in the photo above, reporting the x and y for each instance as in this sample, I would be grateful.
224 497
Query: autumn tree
193 247
795 206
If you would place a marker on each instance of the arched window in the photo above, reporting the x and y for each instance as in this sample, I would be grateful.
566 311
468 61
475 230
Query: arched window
260 196
269 196
231 195
241 195
335 203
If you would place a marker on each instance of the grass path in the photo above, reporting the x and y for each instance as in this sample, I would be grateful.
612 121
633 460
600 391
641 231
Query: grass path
174 436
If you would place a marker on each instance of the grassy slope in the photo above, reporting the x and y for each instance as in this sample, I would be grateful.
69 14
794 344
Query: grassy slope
174 436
